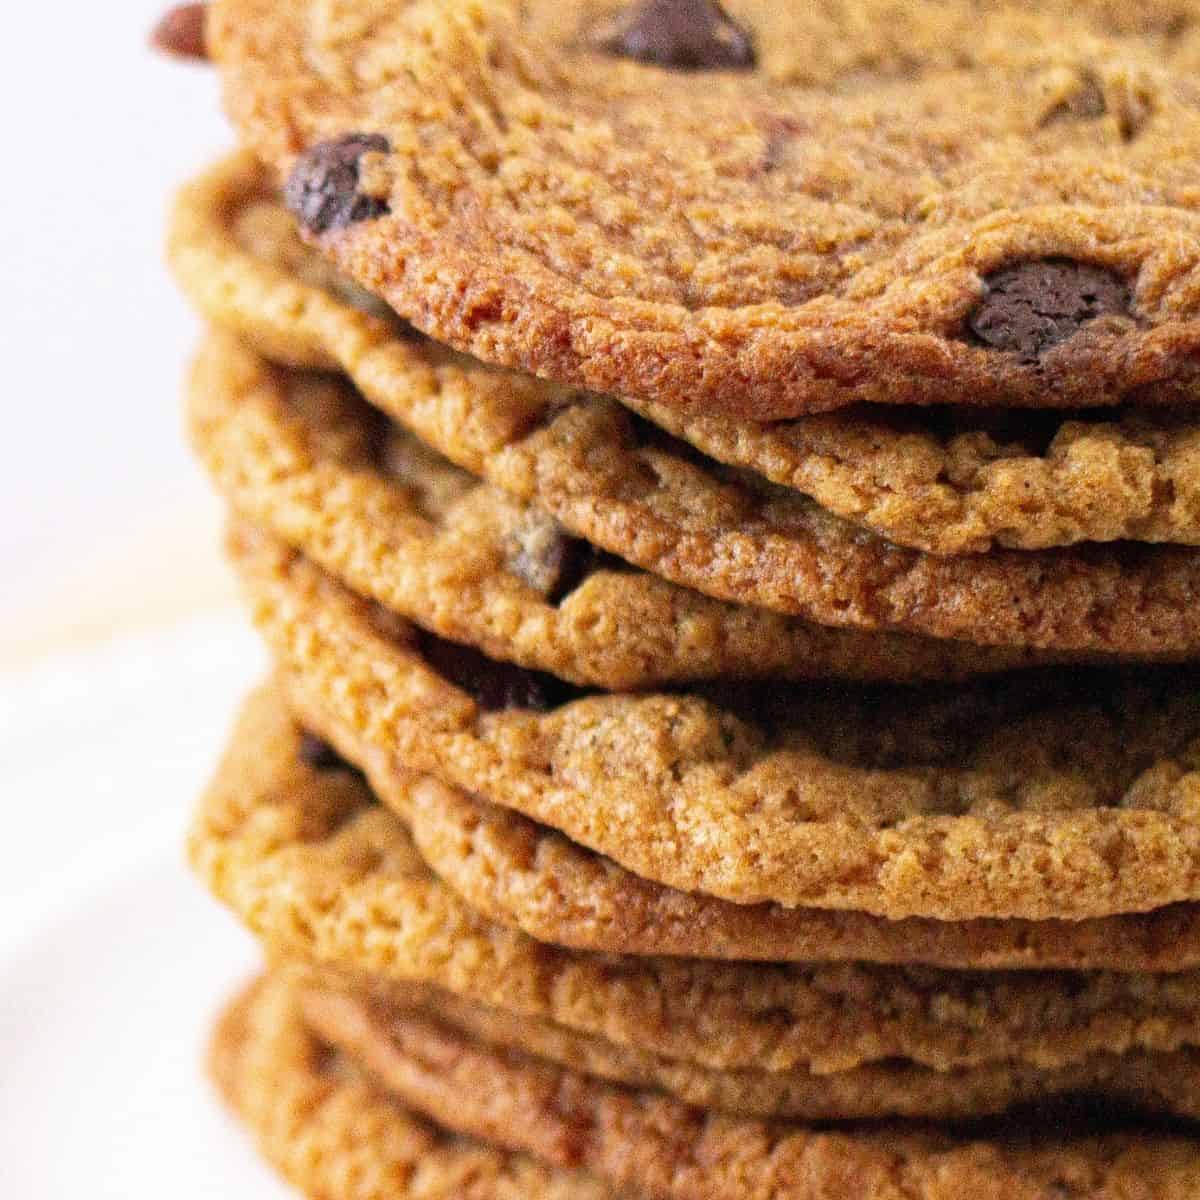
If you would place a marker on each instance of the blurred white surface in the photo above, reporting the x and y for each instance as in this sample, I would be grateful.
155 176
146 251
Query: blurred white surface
105 750
103 1024
122 654
106 521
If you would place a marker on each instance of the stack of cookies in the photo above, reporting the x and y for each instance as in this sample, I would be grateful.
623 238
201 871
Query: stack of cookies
721 487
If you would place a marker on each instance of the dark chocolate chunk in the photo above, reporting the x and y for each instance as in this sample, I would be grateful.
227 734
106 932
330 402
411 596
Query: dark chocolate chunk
320 755
1031 306
494 686
688 35
322 191
180 32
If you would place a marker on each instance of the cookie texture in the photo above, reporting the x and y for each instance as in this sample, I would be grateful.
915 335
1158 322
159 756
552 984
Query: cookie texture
337 1129
527 876
301 455
955 203
627 487
574 1119
334 1133
969 802
435 1026
320 874
948 481
965 481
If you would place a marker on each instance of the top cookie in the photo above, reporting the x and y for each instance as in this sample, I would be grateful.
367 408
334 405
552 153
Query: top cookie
766 209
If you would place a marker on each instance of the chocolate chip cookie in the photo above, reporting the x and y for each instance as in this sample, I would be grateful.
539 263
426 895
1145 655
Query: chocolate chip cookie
333 1132
429 1026
529 877
966 802
305 458
319 873
628 488
947 481
761 208
336 1124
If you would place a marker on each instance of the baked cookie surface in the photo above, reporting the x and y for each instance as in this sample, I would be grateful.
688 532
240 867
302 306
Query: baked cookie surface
532 878
959 803
430 1025
763 208
623 485
320 873
529 877
574 1118
948 481
330 1115
301 455
335 1134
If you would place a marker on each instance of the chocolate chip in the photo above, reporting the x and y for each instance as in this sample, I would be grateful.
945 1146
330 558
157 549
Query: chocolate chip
548 559
320 755
494 686
322 191
689 35
1031 306
180 32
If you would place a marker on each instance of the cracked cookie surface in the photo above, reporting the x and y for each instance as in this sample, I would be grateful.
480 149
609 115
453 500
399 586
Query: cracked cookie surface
625 486
320 873
955 803
301 455
839 220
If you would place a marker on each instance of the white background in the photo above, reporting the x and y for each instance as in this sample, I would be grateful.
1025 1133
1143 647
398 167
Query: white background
96 487
117 625
122 655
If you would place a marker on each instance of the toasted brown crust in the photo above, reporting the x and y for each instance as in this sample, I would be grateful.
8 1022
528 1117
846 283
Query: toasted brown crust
299 454
321 874
526 876
810 234
732 536
985 802
432 1024
945 482
326 1117
335 1134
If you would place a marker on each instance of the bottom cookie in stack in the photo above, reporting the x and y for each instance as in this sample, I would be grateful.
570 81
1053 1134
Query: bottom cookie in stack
327 1085
405 1045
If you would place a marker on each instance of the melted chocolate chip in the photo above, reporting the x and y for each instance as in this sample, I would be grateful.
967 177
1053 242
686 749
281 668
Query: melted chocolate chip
1031 306
320 755
180 32
547 558
688 35
322 192
494 686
